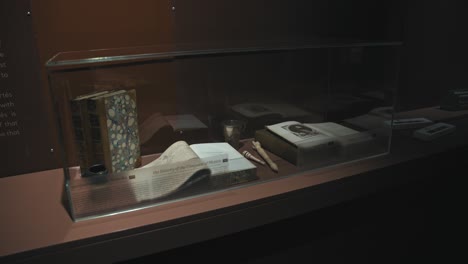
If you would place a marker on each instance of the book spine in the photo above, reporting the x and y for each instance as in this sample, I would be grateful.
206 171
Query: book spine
278 146
133 134
95 114
81 134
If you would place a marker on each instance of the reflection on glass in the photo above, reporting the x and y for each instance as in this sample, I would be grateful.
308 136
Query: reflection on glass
171 129
232 130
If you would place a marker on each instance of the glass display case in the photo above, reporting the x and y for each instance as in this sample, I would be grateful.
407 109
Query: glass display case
143 126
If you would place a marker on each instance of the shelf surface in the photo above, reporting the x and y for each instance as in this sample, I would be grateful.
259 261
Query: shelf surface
43 227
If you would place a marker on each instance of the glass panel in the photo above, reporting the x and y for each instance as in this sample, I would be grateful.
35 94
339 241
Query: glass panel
362 97
142 126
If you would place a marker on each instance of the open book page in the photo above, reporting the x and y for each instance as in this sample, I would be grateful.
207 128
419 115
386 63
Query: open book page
129 188
160 181
177 152
204 150
311 134
298 133
176 168
234 160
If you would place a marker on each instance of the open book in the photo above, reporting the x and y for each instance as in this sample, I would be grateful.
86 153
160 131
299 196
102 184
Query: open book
326 133
196 169
309 135
176 168
182 165
313 144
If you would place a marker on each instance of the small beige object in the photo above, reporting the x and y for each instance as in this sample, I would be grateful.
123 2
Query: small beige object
252 157
258 147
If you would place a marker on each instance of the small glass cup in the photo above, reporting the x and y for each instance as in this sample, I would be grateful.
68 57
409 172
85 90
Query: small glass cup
232 130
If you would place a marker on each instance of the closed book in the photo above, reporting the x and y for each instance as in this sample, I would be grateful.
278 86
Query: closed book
312 153
188 127
82 134
277 146
114 130
227 167
259 114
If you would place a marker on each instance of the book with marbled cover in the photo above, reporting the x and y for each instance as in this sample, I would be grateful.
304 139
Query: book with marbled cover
114 130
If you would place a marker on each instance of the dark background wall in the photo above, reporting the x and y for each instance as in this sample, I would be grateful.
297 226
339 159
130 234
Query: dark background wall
413 223
396 225
26 135
36 30
434 60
